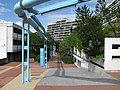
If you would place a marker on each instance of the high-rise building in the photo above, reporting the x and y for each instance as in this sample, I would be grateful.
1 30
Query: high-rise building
61 29
113 4
10 41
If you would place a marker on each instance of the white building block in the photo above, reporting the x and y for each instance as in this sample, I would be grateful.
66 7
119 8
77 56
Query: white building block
110 62
3 49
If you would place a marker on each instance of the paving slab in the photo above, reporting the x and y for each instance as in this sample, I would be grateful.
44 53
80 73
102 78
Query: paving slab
115 74
9 72
85 87
75 76
36 74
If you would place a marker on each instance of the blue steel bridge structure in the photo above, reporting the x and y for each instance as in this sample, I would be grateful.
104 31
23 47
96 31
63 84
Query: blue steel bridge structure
24 9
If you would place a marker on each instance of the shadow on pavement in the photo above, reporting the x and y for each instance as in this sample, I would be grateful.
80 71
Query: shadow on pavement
60 72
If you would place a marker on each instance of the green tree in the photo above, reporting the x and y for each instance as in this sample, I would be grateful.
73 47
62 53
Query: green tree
35 40
66 47
90 31
110 17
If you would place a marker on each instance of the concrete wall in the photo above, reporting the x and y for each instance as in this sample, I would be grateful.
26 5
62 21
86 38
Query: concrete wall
84 63
8 51
9 39
78 56
3 44
112 54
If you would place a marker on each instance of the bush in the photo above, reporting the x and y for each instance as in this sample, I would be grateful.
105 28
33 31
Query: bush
100 57
32 55
67 59
37 58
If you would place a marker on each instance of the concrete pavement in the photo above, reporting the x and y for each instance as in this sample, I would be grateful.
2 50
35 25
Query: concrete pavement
75 76
11 79
8 72
57 76
61 77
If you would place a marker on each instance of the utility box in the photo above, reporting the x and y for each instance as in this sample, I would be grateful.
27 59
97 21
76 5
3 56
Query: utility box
42 57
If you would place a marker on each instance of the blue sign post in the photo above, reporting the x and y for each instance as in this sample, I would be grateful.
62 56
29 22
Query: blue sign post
42 57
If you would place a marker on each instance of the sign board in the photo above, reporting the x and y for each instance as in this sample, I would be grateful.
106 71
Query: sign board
112 54
42 57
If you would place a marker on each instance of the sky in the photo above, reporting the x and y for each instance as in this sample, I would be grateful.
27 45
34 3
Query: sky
7 12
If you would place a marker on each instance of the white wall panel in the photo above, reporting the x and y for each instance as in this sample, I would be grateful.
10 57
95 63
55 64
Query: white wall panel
3 49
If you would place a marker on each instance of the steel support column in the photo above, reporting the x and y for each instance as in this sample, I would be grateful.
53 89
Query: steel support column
45 48
25 60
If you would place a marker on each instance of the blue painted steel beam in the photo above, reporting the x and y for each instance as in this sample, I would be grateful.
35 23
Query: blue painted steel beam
35 25
38 22
28 54
58 5
23 55
27 4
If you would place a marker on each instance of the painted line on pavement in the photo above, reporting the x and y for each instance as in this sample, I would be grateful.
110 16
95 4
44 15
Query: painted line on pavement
15 84
18 65
6 70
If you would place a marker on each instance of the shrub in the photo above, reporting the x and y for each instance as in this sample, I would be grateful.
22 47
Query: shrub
100 57
37 58
32 55
67 59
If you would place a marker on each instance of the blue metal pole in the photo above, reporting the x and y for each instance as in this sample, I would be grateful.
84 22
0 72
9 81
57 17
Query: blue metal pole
28 57
23 54
51 51
45 48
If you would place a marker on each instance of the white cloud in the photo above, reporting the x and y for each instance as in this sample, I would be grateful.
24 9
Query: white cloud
19 23
1 4
3 9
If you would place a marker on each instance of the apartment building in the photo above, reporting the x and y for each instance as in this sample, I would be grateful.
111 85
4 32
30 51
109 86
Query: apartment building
10 41
113 6
61 29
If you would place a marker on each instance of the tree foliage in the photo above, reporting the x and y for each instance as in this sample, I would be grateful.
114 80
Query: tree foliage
66 46
110 17
90 31
35 40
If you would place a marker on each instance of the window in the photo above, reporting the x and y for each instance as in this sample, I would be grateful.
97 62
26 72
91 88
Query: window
18 31
17 42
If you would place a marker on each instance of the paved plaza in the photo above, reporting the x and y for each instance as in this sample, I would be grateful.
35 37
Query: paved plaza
63 77
57 76
76 76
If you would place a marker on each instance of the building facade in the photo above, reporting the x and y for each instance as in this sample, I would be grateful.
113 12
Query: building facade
60 29
10 42
113 6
